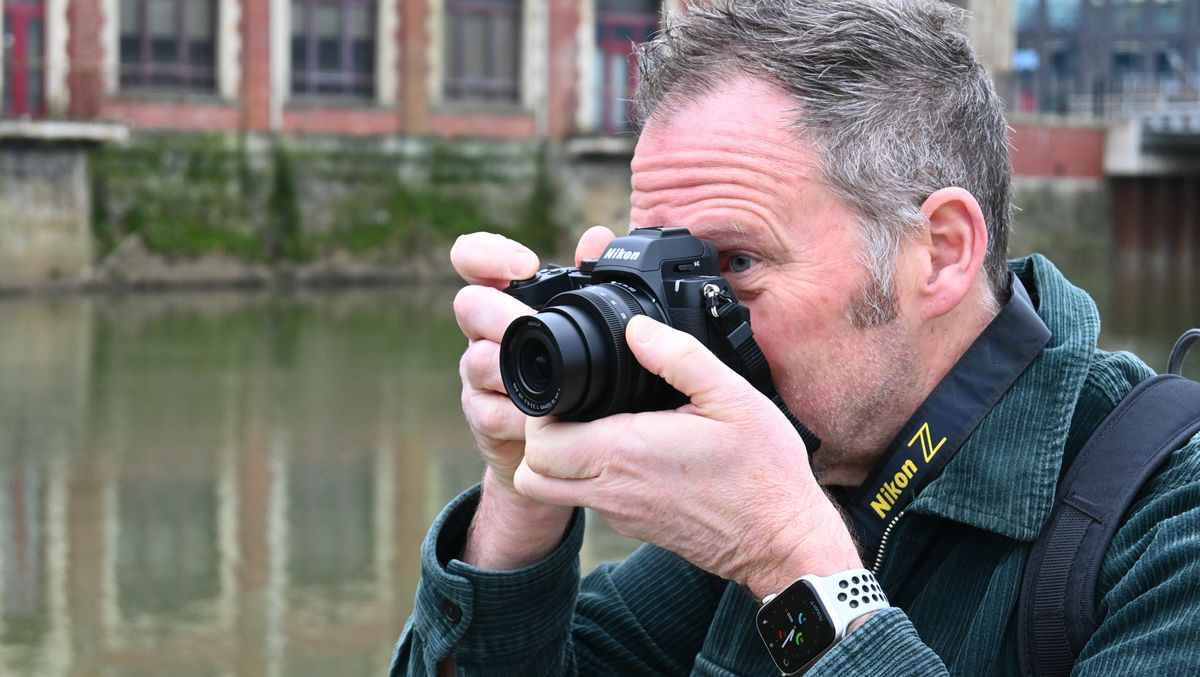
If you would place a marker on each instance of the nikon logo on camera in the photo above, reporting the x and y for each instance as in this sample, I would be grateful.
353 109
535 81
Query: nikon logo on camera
621 254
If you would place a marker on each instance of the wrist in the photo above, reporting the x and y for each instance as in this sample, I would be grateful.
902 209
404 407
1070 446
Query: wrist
858 622
510 531
823 550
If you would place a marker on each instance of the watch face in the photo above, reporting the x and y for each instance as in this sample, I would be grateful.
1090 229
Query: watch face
794 627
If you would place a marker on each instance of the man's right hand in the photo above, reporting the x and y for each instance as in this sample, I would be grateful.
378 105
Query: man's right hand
488 262
509 530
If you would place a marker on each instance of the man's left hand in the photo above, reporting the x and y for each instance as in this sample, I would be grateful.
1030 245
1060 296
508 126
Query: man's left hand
723 481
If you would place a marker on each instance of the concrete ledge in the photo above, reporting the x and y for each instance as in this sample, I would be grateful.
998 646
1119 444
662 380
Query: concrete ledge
592 146
53 130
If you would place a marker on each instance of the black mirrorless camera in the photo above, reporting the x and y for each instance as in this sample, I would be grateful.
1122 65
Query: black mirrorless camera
570 360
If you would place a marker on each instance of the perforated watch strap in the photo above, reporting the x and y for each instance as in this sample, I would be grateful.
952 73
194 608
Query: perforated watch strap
848 595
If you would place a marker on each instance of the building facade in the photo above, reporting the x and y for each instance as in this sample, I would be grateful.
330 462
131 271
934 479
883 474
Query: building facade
484 68
1105 57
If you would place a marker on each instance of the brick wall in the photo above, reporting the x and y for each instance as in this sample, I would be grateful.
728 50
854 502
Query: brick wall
564 78
1057 150
85 56
256 65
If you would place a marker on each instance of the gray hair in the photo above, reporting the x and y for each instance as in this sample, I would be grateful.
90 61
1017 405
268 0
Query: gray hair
890 93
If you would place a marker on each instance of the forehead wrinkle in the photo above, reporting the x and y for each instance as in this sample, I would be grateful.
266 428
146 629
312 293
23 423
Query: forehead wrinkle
691 210
674 176
781 169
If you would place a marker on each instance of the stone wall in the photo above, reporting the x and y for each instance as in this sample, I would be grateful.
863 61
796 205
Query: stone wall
197 209
45 203
1067 218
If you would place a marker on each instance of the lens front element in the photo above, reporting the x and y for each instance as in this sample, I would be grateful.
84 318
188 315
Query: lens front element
571 359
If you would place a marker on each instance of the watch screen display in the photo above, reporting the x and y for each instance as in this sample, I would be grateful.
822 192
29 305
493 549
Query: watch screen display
794 627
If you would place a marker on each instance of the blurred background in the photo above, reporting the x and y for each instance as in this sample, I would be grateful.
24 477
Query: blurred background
229 403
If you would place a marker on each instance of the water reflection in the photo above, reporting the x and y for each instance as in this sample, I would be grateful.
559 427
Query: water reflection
238 484
1146 303
221 483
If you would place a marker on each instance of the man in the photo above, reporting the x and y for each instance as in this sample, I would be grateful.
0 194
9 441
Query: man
849 160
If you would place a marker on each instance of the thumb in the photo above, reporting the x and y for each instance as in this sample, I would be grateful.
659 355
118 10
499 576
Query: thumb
592 243
685 363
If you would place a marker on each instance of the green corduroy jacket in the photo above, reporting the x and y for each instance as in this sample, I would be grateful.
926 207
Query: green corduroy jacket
952 570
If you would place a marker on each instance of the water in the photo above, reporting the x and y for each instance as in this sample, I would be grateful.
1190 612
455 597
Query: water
238 483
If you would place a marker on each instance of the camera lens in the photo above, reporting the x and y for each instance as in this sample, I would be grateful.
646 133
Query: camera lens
571 360
535 371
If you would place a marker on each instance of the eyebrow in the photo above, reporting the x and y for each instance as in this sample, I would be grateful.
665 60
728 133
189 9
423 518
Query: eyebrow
728 232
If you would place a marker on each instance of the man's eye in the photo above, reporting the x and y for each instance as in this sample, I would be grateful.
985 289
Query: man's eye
740 263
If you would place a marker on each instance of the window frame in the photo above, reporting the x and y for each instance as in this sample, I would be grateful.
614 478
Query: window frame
305 83
142 74
492 88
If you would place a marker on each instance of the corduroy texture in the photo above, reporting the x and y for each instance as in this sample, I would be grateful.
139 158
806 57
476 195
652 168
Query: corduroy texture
953 569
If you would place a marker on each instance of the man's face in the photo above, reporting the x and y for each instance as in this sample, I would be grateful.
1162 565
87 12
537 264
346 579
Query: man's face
728 168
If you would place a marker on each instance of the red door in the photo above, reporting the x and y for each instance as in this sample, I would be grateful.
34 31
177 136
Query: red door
24 58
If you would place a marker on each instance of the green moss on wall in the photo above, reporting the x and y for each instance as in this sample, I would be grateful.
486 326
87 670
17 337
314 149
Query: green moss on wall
188 195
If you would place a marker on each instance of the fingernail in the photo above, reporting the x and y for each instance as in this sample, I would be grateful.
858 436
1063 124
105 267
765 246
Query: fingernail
524 264
643 328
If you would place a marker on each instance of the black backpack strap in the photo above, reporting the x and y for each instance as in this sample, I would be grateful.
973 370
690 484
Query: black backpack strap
1057 607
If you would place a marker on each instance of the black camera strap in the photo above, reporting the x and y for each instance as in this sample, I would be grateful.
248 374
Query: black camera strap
732 320
948 417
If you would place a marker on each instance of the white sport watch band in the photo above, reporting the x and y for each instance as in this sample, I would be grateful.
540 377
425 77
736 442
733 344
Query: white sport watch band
847 595
808 618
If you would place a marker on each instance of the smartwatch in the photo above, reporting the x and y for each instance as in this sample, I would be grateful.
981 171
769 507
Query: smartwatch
807 619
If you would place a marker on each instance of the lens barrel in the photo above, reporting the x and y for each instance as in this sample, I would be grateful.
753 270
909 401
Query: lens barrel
571 361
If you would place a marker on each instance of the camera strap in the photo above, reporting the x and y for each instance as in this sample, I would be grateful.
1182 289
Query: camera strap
948 417
732 320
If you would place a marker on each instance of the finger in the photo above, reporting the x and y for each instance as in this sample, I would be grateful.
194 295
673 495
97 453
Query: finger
480 366
492 260
568 450
484 313
593 243
685 363
493 415
551 490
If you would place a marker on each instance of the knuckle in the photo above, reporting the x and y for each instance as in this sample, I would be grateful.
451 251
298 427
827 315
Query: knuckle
534 459
483 360
495 416
463 246
464 366
690 346
463 302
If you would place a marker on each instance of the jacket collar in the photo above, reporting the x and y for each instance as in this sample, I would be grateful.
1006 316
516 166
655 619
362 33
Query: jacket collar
1004 478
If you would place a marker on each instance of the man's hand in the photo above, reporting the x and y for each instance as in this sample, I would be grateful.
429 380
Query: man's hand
723 481
509 530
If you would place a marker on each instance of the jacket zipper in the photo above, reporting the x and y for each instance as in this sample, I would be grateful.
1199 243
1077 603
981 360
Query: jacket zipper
883 541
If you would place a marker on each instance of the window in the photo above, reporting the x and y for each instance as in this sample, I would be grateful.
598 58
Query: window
483 47
1127 14
168 44
1169 15
1027 13
1128 66
333 48
620 24
1062 14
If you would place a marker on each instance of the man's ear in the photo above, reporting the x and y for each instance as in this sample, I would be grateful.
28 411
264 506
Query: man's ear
953 251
